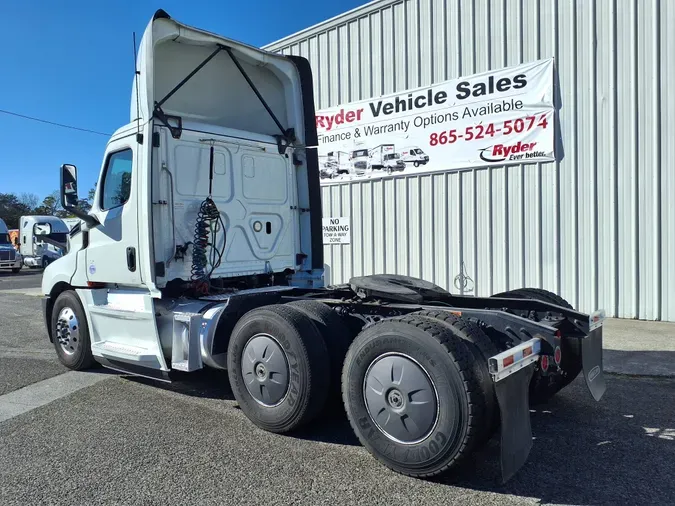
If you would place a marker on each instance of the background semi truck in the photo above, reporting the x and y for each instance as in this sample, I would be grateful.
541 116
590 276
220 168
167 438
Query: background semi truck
42 239
10 258
203 249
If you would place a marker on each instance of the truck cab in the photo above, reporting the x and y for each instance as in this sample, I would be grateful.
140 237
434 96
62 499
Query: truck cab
10 258
42 239
207 189
359 161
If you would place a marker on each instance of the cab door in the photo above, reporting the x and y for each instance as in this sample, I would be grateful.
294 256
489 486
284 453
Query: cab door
112 254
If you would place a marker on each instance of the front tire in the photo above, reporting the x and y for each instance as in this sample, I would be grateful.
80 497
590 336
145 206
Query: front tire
278 368
70 332
16 270
411 395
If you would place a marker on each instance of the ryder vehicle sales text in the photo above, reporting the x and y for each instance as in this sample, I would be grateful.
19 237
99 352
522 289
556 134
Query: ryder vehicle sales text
429 98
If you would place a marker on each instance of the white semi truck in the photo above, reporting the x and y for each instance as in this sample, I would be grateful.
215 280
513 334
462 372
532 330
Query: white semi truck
203 249
42 239
10 258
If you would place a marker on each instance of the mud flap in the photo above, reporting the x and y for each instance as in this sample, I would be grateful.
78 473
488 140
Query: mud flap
591 359
516 430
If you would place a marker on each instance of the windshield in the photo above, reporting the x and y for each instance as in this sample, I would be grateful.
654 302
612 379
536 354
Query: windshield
4 239
363 152
392 156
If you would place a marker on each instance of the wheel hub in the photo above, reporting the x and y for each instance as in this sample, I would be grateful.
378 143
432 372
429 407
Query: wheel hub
264 368
395 399
401 398
68 331
260 371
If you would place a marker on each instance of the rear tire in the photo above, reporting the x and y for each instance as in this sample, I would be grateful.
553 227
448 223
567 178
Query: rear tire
412 396
70 332
481 349
278 368
543 388
336 336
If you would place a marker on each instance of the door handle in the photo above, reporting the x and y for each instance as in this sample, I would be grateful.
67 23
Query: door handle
131 258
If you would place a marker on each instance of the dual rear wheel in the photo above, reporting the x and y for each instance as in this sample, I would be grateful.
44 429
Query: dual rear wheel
415 389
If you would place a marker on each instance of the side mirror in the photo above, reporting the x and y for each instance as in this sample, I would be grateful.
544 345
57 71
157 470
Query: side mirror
69 198
42 229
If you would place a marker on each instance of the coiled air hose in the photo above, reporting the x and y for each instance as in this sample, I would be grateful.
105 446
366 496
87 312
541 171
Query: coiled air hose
209 223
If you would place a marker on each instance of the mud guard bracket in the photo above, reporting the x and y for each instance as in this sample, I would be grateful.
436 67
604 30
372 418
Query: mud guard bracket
516 430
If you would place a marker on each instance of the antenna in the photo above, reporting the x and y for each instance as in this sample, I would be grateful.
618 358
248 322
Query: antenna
139 135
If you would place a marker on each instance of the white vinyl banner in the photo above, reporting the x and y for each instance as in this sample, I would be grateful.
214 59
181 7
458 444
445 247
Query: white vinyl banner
498 117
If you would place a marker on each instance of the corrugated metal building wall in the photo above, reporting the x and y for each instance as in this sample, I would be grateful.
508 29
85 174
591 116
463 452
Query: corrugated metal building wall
597 227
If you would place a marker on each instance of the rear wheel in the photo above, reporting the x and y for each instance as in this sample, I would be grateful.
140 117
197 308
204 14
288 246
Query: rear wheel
542 387
70 332
412 396
336 336
278 367
481 349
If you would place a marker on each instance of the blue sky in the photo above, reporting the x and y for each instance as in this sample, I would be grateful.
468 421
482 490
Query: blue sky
72 62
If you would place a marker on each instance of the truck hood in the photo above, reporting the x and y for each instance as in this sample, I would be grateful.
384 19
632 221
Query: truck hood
5 247
217 94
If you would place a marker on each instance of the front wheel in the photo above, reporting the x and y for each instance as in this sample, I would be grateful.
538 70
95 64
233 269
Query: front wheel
70 332
411 395
16 270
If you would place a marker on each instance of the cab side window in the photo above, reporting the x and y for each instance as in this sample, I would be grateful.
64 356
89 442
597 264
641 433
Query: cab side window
117 179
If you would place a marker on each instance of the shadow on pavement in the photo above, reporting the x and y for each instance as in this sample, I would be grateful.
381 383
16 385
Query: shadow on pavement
620 450
204 383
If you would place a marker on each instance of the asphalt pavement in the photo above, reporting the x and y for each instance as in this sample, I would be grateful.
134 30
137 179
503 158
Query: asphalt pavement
26 278
114 439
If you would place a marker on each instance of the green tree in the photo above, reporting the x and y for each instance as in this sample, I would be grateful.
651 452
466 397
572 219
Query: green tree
11 209
92 194
30 200
50 204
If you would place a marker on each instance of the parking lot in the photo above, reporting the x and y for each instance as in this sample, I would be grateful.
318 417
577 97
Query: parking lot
118 440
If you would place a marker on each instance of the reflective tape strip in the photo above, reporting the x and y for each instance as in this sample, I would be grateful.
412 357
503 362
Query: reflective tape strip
514 359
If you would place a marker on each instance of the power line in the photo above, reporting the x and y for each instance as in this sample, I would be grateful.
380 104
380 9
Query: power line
53 123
